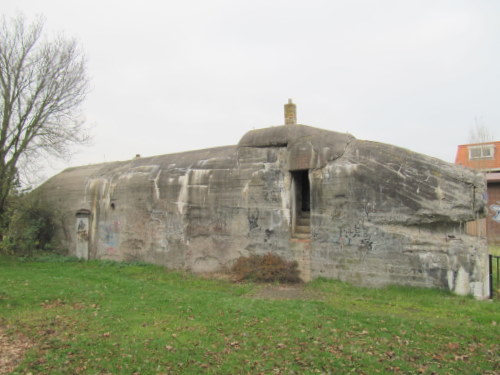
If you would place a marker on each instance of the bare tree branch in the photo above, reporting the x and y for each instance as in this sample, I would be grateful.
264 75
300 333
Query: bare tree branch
43 83
479 133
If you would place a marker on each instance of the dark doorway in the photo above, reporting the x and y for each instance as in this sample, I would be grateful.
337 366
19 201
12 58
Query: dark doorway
302 190
301 204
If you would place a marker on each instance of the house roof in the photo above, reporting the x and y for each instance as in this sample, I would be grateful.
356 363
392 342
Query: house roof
489 163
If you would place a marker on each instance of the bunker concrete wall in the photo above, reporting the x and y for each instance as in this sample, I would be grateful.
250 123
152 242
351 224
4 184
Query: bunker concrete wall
379 214
384 215
196 214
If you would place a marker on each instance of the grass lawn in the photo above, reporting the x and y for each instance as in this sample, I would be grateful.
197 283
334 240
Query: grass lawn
111 318
494 249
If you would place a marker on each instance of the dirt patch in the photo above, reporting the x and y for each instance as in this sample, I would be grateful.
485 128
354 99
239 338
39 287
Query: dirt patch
284 292
12 349
271 291
222 275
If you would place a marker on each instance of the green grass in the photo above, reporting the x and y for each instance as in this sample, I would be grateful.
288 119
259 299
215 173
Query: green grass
494 249
113 318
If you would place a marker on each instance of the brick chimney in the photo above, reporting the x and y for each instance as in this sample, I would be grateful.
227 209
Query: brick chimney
290 113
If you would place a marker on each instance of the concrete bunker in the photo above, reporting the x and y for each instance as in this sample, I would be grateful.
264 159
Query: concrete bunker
359 211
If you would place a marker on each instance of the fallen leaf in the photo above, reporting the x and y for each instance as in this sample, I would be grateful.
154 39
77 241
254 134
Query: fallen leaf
235 344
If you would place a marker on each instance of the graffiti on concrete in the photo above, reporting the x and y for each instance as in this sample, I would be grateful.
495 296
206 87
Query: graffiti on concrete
110 236
496 209
82 230
356 235
253 218
218 225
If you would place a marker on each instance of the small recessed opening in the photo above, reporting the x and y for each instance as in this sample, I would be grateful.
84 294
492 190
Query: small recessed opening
302 190
301 204
112 205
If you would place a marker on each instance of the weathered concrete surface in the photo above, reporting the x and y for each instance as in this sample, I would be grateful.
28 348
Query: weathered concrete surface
396 217
379 214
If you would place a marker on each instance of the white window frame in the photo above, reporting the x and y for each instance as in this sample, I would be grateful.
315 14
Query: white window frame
485 152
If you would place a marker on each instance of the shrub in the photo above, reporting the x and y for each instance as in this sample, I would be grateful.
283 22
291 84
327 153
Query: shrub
30 227
266 268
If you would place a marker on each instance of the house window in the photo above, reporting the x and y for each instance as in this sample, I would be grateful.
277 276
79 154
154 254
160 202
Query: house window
481 152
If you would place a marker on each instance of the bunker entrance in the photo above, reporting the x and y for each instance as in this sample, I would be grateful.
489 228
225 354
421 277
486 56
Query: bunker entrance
82 234
301 204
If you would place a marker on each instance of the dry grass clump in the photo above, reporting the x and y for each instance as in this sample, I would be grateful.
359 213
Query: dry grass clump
266 268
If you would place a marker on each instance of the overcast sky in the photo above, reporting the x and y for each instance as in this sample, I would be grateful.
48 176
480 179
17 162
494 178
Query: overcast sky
170 76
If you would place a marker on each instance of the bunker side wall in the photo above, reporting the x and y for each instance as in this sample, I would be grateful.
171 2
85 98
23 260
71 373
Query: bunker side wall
396 218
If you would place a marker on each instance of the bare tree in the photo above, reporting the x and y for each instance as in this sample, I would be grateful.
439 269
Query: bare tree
43 83
479 133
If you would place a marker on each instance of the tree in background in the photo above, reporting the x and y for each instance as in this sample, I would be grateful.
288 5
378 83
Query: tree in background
43 82
479 133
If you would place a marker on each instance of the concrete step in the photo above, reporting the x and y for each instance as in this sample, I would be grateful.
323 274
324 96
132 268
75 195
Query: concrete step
303 221
303 226
302 229
302 236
